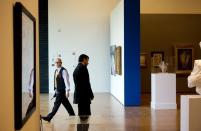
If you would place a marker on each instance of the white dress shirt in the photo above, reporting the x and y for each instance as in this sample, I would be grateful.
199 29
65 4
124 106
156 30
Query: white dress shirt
31 82
65 76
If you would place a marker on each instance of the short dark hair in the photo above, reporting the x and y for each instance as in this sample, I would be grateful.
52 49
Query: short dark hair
82 57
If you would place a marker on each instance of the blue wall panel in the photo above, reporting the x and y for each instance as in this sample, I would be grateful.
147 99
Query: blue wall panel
132 52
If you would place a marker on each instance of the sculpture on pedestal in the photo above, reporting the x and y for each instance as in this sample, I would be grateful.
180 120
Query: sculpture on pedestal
163 66
194 79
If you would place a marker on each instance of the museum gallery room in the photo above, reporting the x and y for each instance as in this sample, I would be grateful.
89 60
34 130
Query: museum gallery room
100 65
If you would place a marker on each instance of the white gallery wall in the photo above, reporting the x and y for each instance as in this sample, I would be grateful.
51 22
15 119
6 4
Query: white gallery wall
117 38
81 26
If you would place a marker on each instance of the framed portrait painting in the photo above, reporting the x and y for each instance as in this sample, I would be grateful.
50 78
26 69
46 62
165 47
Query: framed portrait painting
24 64
157 58
184 58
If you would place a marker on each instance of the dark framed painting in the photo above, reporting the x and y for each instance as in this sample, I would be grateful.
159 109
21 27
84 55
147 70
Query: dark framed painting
157 57
118 61
184 58
24 64
143 59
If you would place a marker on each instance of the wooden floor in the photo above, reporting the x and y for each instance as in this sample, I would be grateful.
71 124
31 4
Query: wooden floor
109 115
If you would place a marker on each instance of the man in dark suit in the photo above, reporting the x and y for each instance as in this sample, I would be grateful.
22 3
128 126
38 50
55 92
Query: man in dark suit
83 93
62 88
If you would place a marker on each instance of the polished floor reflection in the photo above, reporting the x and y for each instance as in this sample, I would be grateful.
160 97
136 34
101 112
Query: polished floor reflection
109 115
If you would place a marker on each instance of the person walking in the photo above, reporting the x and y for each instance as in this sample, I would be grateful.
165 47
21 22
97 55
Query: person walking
83 93
62 89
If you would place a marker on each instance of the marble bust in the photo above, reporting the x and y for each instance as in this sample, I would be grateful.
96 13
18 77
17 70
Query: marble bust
163 66
194 79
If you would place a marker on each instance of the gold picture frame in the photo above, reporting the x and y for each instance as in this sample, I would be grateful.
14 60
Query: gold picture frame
143 59
184 58
118 60
157 57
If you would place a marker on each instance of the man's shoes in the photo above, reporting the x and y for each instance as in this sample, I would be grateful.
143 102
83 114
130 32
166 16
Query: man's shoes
45 118
84 119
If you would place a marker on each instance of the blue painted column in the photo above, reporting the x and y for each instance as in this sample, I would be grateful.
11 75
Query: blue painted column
132 52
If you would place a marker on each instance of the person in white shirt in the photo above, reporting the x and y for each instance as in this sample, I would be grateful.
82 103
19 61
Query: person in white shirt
62 88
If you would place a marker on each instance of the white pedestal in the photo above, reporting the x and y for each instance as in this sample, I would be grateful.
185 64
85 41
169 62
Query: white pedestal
163 91
190 113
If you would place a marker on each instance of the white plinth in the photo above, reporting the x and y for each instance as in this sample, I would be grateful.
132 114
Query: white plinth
190 113
163 91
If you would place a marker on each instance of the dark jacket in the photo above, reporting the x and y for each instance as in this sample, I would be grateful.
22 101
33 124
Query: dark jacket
60 81
83 92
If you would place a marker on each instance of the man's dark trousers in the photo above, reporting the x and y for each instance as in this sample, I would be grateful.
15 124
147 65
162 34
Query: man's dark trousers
61 99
